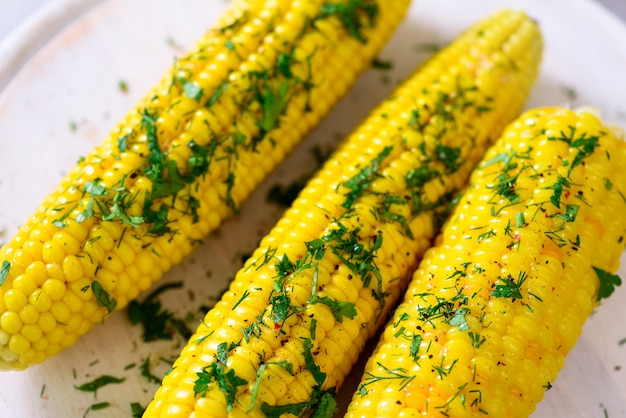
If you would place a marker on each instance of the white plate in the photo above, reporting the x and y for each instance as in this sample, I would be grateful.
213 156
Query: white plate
73 80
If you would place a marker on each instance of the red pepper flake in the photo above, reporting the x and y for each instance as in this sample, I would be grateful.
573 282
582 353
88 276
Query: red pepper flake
277 326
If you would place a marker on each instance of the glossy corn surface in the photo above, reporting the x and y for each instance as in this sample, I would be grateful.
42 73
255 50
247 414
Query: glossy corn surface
285 335
497 304
179 163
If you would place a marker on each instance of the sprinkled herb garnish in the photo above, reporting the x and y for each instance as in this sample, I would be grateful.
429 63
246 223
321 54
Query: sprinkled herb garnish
381 64
418 177
509 287
338 309
352 14
227 381
458 319
449 156
361 181
99 382
273 103
391 374
102 296
570 213
569 92
216 94
158 323
191 90
414 350
608 282
519 220
323 401
485 235
147 373
4 271
285 195
136 410
585 145
443 307
283 64
255 388
476 338
430 47
96 407
122 142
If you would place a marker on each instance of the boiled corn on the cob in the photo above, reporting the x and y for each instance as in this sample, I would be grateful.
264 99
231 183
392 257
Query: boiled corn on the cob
181 161
496 305
286 333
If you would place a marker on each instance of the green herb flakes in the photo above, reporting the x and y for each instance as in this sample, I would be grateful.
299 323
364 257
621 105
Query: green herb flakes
102 296
608 282
96 407
4 271
98 383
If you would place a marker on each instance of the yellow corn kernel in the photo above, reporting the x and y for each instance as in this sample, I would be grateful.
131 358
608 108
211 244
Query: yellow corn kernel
52 253
40 300
29 314
487 336
32 332
55 289
18 344
72 269
191 151
24 284
10 322
60 312
46 322
320 283
14 300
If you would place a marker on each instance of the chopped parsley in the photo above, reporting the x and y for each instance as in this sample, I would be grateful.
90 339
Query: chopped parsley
216 94
509 287
381 64
338 309
255 388
359 183
147 373
608 282
136 410
158 323
216 373
96 407
192 90
351 14
99 382
103 298
458 319
273 103
4 271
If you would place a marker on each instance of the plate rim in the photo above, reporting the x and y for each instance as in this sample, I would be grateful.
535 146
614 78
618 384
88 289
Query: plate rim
35 32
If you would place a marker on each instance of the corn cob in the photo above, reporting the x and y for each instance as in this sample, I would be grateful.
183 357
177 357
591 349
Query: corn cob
179 163
501 298
297 315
